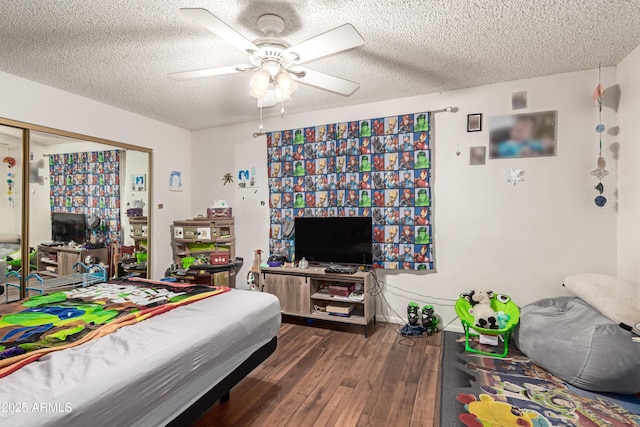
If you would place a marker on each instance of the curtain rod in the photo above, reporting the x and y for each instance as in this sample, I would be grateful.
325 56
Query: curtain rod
442 110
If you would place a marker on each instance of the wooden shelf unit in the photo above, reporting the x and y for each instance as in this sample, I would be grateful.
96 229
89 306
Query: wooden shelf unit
63 258
139 232
192 236
201 237
298 292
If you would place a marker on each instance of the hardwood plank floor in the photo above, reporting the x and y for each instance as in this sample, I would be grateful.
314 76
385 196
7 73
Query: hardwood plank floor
320 377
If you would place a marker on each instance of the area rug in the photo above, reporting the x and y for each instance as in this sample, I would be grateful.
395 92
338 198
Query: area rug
481 391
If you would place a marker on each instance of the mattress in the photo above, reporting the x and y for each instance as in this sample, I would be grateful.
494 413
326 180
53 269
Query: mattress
144 374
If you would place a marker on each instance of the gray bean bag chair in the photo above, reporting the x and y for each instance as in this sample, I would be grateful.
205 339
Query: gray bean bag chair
572 340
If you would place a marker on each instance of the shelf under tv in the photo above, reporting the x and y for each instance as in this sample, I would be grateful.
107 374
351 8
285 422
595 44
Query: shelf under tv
298 292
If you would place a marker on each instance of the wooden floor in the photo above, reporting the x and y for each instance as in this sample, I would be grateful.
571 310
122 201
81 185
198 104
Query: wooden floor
321 377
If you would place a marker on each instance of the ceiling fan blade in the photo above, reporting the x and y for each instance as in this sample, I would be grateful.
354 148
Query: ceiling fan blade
207 72
333 41
326 81
219 28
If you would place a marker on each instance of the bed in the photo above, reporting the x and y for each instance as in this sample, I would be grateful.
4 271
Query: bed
10 247
11 254
165 370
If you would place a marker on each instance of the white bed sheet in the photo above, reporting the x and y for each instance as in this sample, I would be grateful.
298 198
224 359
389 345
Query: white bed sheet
144 374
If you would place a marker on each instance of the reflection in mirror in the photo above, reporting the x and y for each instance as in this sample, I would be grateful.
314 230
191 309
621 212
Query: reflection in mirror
10 212
81 196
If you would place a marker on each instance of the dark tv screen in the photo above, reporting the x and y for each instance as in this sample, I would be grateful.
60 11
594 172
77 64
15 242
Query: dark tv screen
334 240
66 227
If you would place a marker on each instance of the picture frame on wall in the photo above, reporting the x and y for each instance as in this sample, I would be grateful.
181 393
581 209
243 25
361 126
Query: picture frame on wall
474 122
477 155
175 181
523 135
139 182
519 100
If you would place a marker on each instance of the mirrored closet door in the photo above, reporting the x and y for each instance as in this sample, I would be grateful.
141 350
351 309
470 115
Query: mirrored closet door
86 210
11 232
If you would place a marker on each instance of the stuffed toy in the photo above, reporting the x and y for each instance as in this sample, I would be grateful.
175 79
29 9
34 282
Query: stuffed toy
503 318
485 317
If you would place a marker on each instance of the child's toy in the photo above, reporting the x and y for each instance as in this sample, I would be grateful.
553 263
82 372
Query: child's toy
483 314
499 302
429 319
412 313
503 318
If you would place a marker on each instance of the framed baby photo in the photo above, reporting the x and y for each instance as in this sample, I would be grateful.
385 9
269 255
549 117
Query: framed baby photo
523 135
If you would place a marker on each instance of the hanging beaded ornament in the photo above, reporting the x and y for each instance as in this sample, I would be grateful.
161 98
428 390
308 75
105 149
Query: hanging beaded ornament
601 164
11 162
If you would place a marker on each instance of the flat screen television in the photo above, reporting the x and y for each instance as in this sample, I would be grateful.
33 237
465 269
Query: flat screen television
66 227
334 240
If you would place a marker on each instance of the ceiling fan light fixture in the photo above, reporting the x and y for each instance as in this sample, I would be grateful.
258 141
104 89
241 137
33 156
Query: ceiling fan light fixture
273 67
286 83
260 84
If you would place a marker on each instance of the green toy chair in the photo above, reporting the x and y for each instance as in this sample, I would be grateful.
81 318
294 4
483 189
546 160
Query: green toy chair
499 302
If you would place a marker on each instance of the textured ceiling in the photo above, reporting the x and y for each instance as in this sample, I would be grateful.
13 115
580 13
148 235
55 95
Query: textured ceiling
119 51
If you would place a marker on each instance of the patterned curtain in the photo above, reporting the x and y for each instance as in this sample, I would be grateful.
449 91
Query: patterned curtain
378 167
88 183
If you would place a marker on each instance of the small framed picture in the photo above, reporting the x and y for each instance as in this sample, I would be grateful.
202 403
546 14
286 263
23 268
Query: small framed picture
519 100
139 182
474 122
477 155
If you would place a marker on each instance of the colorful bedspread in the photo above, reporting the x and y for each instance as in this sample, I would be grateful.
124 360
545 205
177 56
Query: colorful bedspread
33 327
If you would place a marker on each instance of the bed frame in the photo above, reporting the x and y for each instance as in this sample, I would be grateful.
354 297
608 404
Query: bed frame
85 275
221 391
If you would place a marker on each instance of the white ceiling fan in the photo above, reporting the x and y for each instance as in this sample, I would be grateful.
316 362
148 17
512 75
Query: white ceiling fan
278 65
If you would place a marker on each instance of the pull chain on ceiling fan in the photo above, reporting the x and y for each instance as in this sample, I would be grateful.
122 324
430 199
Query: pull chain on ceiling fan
278 64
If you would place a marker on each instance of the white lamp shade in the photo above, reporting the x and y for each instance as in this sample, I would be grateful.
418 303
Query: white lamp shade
286 83
260 84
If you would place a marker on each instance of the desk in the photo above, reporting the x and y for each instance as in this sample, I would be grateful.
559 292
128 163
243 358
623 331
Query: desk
209 274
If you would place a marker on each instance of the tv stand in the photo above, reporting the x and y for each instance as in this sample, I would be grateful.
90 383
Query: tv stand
57 261
302 293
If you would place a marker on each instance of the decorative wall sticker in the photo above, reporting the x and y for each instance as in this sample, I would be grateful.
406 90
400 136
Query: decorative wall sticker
227 178
514 176
88 183
378 168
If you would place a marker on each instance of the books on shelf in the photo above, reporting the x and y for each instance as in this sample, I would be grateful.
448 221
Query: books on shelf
352 297
340 309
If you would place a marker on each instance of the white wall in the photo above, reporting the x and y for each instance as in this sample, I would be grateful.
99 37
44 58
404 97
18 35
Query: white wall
32 102
518 240
628 71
